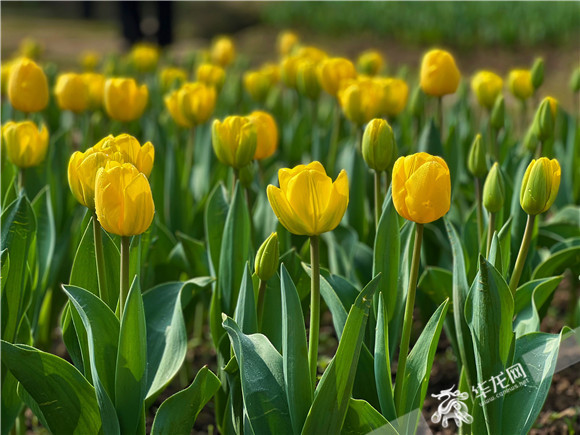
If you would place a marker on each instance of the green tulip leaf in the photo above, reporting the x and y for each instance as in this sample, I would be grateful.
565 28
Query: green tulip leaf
529 299
361 417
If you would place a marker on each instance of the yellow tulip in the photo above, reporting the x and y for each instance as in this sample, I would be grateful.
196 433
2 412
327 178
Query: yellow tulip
540 185
307 79
421 187
223 51
24 144
172 103
27 86
332 72
234 140
307 202
370 62
96 88
258 84
520 83
266 132
83 167
313 54
72 92
360 100
124 99
123 199
439 74
89 60
170 76
144 57
211 75
288 68
287 42
486 86
394 96
195 104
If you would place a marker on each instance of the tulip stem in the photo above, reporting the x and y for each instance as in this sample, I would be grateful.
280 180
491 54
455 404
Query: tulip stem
314 308
378 202
188 166
333 148
408 319
479 209
21 178
315 146
490 231
522 254
539 149
100 259
440 114
125 246
261 298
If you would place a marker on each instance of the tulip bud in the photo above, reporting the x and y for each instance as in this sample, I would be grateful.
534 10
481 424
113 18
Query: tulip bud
575 81
211 75
378 145
124 100
395 93
439 74
287 42
234 140
487 86
520 83
72 92
540 185
543 125
538 73
24 144
476 160
332 72
171 76
223 51
89 60
27 86
307 80
266 133
370 62
360 100
417 102
123 199
144 57
267 258
95 84
494 190
498 113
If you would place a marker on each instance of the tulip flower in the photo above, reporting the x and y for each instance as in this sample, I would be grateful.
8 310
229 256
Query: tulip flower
309 203
72 92
287 42
393 97
196 102
520 84
421 187
360 100
497 118
266 134
486 86
537 73
266 265
95 84
370 62
171 76
258 83
124 206
313 54
234 141
543 125
493 198
333 71
125 101
539 190
144 57
27 86
211 75
89 60
307 79
24 143
439 74
223 51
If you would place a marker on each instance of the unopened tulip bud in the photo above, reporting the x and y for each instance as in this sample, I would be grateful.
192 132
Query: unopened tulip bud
543 125
540 185
498 113
307 80
538 73
439 74
267 258
370 62
494 190
575 81
27 86
24 143
378 145
234 140
72 92
476 160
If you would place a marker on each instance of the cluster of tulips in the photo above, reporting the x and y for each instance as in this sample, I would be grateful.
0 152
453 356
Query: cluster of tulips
162 217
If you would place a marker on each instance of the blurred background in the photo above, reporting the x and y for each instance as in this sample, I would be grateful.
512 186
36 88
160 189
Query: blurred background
491 35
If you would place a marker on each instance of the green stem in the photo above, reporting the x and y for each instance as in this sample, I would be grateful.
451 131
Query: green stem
21 178
261 298
494 149
333 147
378 202
125 245
440 114
189 152
539 149
314 308
100 259
490 230
522 254
408 319
479 209
315 146
523 117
